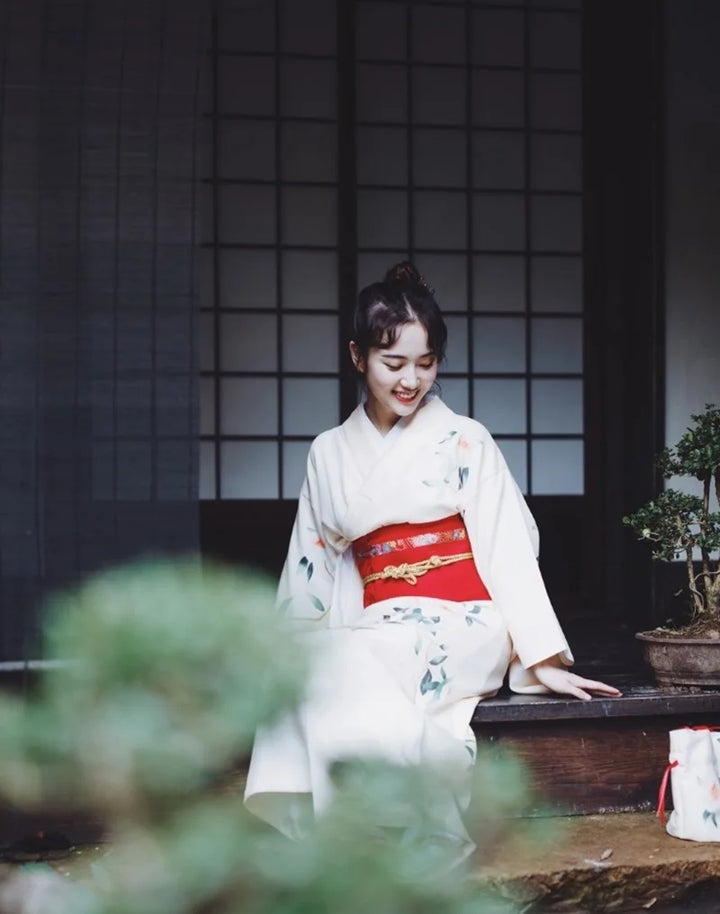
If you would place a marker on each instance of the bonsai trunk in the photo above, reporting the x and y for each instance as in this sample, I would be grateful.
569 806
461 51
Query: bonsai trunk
698 605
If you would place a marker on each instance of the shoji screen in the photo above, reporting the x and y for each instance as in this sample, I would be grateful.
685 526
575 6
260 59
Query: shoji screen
466 156
469 157
270 312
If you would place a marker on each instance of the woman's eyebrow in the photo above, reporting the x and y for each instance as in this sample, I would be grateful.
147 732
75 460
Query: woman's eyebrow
388 355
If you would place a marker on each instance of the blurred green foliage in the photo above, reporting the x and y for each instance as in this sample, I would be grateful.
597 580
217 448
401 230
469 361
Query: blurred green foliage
168 668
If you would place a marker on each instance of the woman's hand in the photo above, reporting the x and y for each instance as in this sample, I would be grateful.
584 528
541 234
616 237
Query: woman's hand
561 680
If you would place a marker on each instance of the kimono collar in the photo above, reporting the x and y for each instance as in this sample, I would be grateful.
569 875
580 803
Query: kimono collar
378 461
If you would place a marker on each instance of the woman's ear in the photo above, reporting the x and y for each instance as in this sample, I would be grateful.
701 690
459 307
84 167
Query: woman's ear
357 357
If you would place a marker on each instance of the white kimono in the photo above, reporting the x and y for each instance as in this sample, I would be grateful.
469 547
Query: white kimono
400 679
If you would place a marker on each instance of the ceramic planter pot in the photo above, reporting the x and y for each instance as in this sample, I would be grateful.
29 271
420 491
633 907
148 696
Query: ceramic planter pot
677 661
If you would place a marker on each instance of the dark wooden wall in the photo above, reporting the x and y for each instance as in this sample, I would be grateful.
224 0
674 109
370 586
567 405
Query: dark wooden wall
624 230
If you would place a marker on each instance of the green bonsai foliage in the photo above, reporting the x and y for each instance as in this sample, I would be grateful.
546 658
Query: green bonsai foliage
682 526
167 669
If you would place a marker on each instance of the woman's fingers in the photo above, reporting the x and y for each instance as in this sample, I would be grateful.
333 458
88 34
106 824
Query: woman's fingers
567 683
594 686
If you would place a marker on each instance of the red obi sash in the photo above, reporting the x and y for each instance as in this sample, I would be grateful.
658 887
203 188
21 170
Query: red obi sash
424 560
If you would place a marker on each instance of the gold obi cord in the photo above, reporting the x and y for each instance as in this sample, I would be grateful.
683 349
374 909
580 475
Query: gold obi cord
411 571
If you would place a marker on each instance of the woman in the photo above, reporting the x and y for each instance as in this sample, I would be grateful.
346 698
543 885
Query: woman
413 559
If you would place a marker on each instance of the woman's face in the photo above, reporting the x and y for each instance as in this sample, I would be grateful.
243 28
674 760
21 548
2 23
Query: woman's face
398 377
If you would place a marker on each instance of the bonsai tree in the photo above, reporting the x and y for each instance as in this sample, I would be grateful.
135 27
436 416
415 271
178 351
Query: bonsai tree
684 526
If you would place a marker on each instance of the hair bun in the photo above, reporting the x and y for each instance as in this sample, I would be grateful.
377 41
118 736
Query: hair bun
406 274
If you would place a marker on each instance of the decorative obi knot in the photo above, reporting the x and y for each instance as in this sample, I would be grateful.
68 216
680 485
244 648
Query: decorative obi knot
425 560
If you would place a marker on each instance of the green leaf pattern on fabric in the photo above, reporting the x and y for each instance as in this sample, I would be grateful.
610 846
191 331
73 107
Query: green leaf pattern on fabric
306 566
472 616
446 459
435 678
434 686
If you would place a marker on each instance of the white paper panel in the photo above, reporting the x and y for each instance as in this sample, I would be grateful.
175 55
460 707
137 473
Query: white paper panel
206 213
207 471
247 215
498 99
555 40
447 274
246 25
246 150
206 342
308 88
557 345
501 405
205 277
557 468
133 482
457 345
294 457
556 284
381 93
555 101
498 160
439 158
309 152
499 222
557 407
310 405
454 392
247 278
308 27
438 35
309 279
310 343
248 342
440 219
499 37
249 406
382 218
438 95
102 471
556 162
309 215
372 267
556 4
499 282
514 451
207 406
246 85
249 469
380 31
205 142
556 223
499 344
381 155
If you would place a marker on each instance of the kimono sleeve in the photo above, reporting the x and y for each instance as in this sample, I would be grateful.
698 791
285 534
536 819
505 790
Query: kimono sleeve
306 583
504 539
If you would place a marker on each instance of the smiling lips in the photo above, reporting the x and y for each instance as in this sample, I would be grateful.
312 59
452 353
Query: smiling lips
405 397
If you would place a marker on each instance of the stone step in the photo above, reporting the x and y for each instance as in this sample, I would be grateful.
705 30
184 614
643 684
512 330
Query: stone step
601 863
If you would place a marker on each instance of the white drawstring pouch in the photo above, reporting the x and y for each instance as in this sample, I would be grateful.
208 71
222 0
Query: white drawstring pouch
694 775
